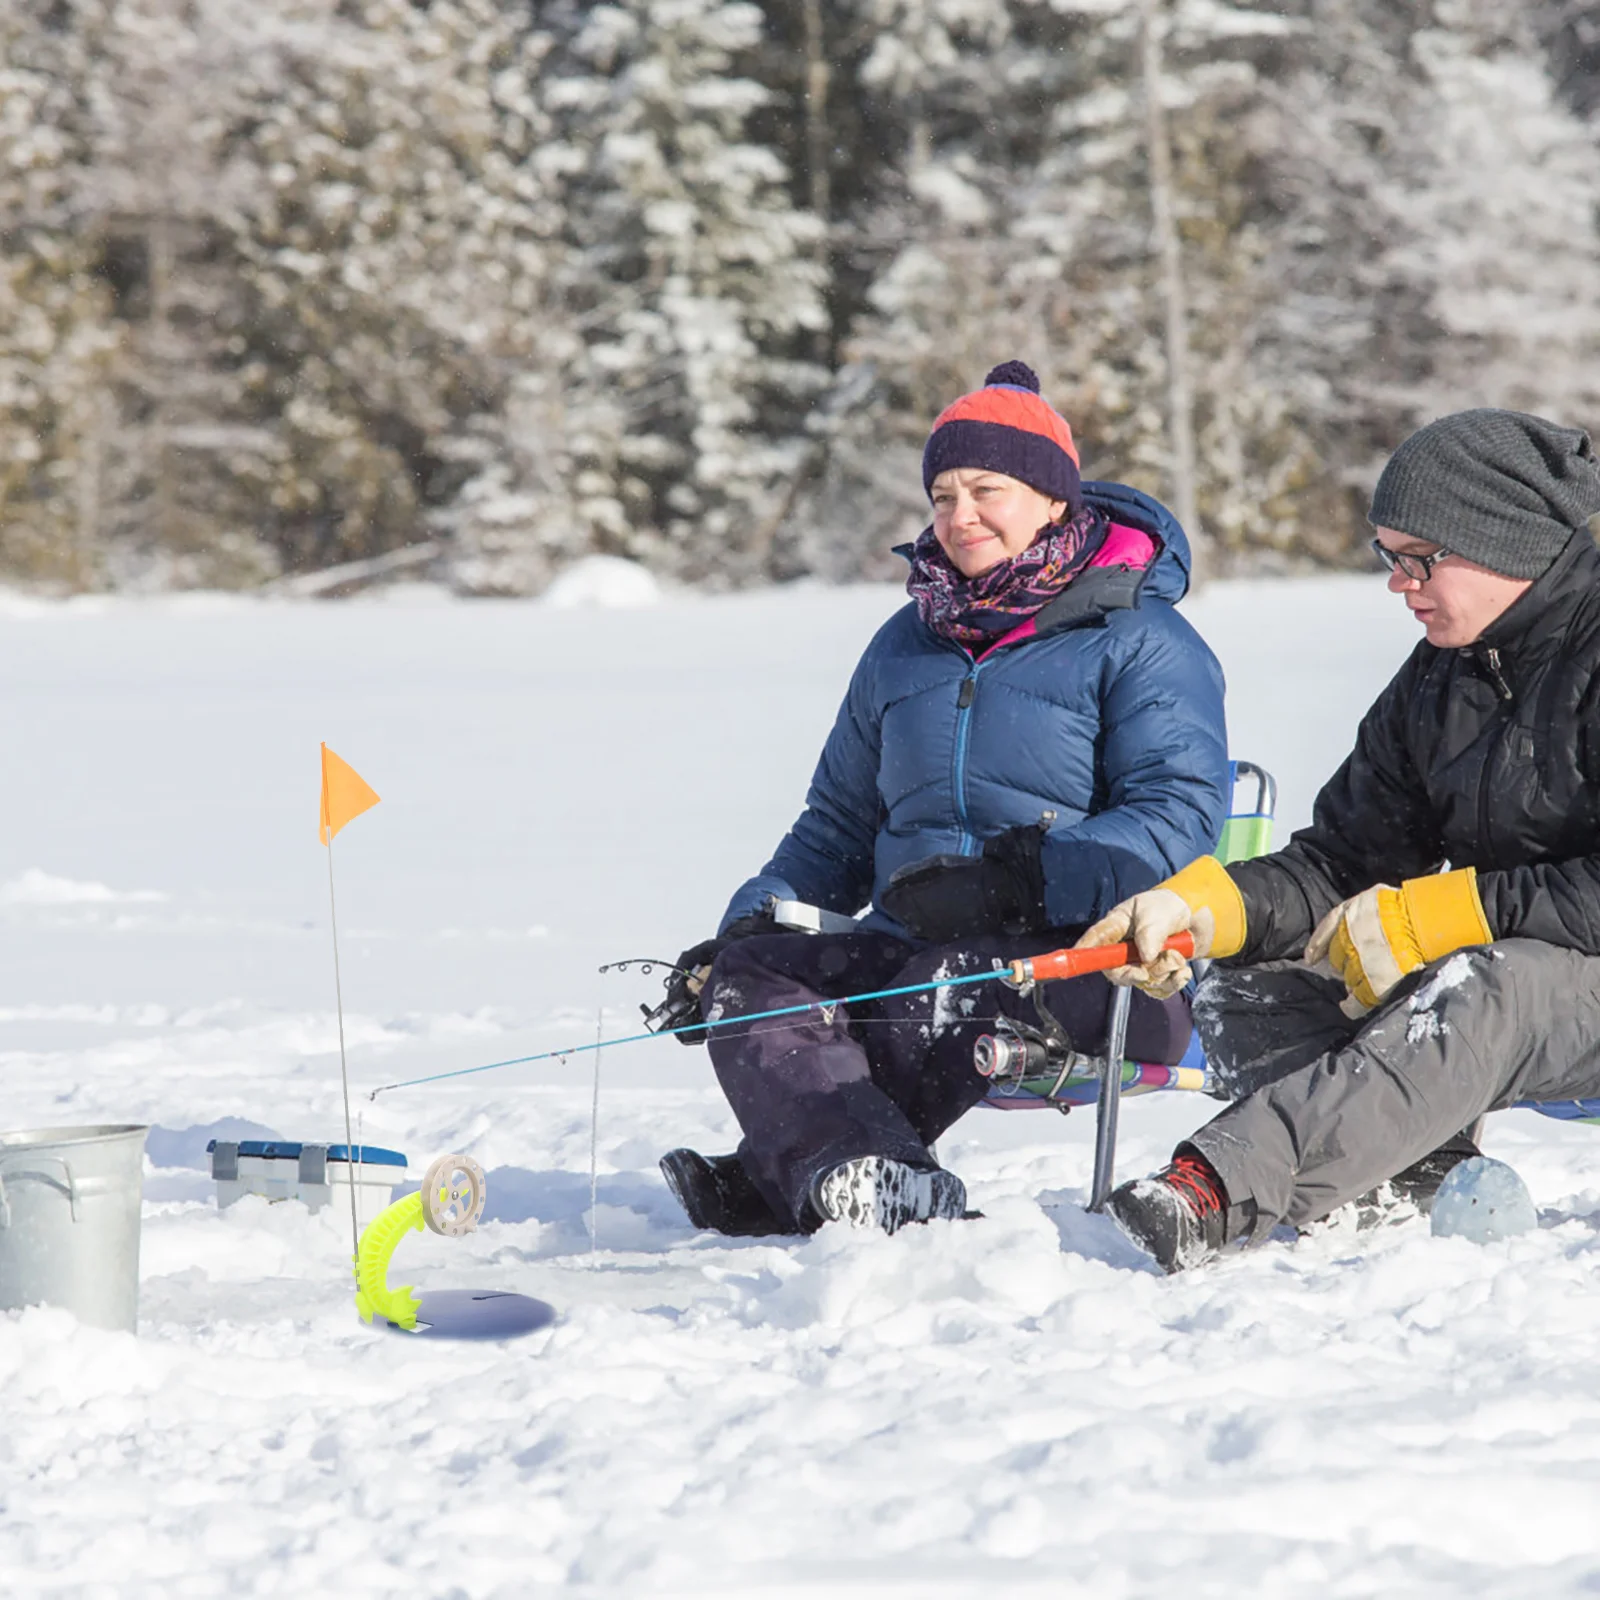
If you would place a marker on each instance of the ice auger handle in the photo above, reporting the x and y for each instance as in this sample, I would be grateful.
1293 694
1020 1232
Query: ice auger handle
1054 964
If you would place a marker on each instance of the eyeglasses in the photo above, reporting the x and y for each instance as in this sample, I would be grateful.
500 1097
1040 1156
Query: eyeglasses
1418 568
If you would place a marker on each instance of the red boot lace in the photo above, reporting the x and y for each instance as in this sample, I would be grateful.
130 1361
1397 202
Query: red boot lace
1194 1176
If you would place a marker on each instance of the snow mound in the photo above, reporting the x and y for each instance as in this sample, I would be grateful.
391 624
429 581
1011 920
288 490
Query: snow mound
603 581
36 888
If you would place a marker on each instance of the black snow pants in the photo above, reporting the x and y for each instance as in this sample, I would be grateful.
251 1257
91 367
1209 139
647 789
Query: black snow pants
883 1077
1327 1107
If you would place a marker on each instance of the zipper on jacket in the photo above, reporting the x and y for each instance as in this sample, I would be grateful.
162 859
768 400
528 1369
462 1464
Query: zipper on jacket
1491 659
965 695
1492 656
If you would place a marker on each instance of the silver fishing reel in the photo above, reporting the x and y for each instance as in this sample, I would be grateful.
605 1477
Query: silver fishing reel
1008 1057
1016 1054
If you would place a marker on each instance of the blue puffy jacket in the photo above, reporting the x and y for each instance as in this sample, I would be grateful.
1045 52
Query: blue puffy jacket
1109 715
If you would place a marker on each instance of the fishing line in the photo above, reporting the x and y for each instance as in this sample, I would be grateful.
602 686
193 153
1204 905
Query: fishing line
693 1027
594 1138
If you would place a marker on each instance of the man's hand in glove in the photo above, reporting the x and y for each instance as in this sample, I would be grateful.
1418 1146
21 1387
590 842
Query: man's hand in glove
682 1004
1375 938
1201 901
953 897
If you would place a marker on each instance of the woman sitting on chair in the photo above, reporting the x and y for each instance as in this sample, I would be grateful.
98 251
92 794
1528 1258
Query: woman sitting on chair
1035 737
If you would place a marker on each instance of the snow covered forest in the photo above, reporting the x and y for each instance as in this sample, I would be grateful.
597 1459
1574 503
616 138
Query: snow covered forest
469 289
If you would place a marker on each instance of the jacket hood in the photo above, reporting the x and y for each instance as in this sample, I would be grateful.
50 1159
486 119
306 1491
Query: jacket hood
1168 575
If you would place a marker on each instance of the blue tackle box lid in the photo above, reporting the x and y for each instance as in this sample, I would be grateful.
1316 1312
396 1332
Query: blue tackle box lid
369 1155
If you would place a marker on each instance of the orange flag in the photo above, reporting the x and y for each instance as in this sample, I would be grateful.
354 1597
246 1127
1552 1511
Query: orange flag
345 795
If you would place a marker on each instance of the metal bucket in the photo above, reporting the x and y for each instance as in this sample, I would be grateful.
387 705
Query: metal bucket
69 1221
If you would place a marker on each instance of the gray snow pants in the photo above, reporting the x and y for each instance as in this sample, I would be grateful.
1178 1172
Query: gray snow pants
1330 1107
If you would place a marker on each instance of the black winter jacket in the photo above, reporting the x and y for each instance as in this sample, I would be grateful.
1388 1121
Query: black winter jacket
1486 757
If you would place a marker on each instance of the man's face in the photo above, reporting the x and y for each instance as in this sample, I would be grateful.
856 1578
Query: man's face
1458 599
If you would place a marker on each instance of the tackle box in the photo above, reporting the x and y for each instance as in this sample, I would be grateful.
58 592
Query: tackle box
317 1175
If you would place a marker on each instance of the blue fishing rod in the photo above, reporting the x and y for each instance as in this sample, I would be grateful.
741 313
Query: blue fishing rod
824 1006
1021 974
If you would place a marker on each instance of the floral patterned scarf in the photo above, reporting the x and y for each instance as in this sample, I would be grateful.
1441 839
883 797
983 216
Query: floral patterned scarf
974 612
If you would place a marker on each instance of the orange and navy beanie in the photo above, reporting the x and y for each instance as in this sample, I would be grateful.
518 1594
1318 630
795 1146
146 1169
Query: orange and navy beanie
1006 427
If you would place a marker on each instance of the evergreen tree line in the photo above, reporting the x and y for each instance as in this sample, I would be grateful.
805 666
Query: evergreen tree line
474 288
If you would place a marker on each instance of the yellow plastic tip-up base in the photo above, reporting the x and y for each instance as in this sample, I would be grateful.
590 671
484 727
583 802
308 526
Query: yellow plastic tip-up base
450 1202
379 1240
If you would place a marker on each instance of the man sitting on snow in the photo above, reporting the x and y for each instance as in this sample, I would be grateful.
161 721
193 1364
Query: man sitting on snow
1445 900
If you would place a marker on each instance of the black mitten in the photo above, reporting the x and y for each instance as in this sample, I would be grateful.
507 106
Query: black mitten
952 897
692 968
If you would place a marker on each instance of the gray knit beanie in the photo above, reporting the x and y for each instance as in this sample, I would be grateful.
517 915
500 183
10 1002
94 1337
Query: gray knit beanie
1498 487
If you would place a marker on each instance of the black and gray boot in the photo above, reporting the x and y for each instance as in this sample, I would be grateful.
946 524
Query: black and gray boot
875 1192
1181 1216
1405 1197
716 1193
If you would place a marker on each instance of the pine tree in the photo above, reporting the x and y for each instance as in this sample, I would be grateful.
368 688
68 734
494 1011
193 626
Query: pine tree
56 337
694 280
1427 242
392 243
1498 218
1570 30
183 465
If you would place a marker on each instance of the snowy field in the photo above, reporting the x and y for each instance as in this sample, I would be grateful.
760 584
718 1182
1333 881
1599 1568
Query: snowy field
1016 1406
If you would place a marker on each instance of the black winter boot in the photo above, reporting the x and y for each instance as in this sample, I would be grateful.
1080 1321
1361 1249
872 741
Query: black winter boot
716 1193
1181 1216
1408 1195
1419 1183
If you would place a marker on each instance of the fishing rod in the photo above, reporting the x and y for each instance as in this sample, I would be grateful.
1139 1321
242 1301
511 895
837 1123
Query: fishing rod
1022 974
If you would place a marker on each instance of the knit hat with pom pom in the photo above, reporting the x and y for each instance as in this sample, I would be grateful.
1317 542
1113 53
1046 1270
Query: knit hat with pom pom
1006 427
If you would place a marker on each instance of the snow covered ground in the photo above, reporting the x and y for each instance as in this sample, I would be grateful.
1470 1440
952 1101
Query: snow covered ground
1016 1406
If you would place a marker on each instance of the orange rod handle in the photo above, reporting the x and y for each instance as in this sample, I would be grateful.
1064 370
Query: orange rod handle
1054 964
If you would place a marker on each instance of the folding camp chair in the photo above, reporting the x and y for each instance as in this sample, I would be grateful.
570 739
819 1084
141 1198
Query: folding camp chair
1033 1071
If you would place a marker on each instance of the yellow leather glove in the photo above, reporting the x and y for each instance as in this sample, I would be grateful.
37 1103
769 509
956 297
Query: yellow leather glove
1202 901
1375 938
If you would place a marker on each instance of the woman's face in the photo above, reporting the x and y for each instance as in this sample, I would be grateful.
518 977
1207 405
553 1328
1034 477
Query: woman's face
982 518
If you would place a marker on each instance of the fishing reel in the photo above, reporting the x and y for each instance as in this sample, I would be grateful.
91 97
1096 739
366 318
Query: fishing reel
1014 1051
1018 1051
